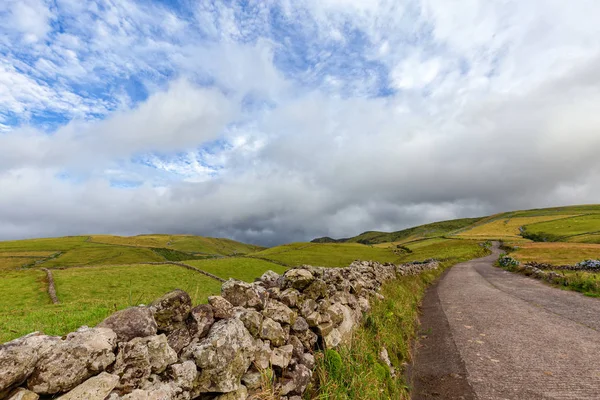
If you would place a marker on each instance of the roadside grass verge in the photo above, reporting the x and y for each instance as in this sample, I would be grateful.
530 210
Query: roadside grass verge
355 371
242 268
325 254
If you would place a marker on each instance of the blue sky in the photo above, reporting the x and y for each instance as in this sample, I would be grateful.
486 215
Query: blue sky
272 121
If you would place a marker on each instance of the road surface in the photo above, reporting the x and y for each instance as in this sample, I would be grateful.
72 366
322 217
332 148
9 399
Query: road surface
491 334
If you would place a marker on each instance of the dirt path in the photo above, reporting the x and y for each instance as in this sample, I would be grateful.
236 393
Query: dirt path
492 334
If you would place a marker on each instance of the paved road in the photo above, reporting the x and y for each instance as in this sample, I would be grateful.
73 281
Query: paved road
492 334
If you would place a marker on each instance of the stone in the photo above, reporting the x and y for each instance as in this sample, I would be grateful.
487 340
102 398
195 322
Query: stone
200 320
131 323
308 360
159 391
289 297
22 394
86 353
273 332
222 309
281 356
335 313
316 290
364 305
279 312
308 339
240 394
184 374
224 356
171 310
314 319
252 379
262 354
19 357
241 294
296 380
270 279
333 339
324 328
252 319
307 307
298 278
95 388
300 325
139 358
179 338
298 346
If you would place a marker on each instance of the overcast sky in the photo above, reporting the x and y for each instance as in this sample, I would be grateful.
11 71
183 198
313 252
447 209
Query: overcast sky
277 121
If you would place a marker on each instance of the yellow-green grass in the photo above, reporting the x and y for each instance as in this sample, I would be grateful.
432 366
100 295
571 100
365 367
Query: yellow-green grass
325 254
103 255
588 238
454 250
46 244
88 295
505 228
12 263
36 254
565 229
186 243
242 268
556 253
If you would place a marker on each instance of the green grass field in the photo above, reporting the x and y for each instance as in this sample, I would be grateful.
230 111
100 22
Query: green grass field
325 254
566 230
88 295
242 268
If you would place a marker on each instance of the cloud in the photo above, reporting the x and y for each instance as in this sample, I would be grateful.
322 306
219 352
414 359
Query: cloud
284 121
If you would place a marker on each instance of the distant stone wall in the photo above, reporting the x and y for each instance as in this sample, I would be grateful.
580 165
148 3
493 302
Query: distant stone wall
227 349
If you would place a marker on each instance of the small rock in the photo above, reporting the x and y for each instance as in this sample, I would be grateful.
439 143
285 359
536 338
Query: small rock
222 309
279 312
282 356
308 360
272 331
184 374
96 388
252 379
300 325
333 339
316 290
131 323
298 278
270 279
224 356
296 380
252 319
240 394
85 352
289 297
171 310
22 394
200 320
241 294
307 307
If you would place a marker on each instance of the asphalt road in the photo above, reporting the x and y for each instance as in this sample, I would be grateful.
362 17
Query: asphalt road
492 334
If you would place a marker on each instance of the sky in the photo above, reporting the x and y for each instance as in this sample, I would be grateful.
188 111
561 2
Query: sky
277 121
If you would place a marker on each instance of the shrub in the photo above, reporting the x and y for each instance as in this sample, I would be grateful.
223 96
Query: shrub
506 261
333 363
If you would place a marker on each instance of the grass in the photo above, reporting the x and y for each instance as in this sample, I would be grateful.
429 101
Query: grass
325 254
46 244
242 268
556 253
103 255
453 250
183 243
13 263
89 294
564 229
505 228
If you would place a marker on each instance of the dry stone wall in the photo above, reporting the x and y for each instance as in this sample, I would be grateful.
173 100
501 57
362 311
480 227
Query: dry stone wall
223 350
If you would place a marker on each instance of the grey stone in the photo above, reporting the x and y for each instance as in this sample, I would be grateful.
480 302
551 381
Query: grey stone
22 394
279 312
184 374
298 278
19 357
252 379
281 356
241 294
95 388
296 380
273 332
200 320
240 394
307 307
300 325
224 356
252 319
171 310
131 323
289 297
222 309
270 279
316 290
85 352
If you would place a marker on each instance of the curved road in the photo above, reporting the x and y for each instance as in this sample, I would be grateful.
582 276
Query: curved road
491 334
